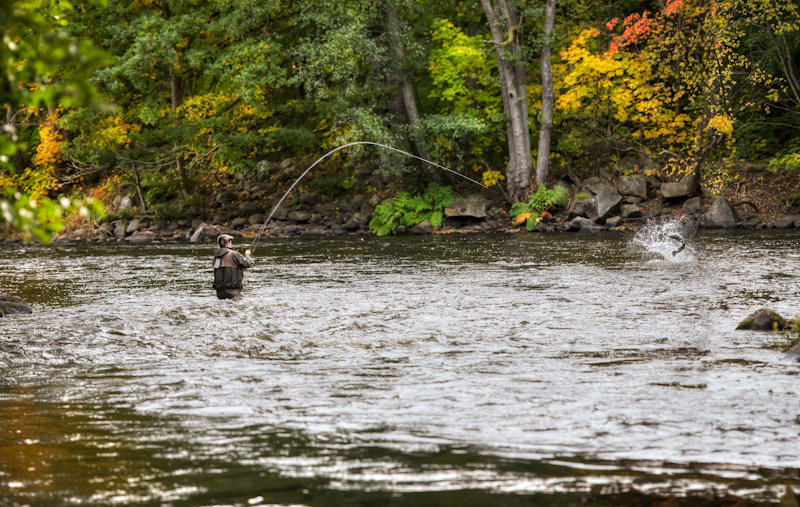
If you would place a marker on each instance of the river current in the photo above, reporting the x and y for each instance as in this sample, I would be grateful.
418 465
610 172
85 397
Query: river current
446 370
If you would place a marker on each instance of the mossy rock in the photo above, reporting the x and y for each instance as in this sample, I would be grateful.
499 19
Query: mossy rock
582 197
763 320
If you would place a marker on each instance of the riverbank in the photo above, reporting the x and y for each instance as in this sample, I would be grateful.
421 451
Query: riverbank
239 204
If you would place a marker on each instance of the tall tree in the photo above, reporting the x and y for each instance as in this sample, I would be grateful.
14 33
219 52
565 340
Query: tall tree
548 95
504 25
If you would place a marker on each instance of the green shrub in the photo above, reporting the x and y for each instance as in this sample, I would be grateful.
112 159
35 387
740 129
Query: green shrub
408 211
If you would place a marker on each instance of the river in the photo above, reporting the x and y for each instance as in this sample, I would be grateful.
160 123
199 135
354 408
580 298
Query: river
446 370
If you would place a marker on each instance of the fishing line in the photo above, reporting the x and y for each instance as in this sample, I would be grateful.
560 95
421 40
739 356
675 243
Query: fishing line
255 242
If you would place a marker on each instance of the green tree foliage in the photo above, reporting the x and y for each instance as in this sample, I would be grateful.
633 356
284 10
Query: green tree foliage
43 66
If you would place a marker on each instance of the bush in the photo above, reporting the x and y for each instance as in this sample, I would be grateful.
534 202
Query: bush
530 212
408 211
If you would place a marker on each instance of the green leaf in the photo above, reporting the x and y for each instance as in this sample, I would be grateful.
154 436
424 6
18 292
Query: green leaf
519 208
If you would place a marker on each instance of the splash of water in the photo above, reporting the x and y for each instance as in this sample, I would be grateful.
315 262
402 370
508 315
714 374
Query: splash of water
664 240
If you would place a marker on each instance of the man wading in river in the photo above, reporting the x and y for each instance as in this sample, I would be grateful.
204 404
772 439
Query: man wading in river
229 269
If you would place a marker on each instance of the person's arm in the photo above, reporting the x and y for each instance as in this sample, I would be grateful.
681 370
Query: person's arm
244 262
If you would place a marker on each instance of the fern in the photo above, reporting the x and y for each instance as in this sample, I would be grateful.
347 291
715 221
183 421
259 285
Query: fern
544 198
519 208
532 220
408 210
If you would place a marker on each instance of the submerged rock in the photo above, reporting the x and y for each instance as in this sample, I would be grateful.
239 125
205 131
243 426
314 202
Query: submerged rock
13 305
578 223
763 320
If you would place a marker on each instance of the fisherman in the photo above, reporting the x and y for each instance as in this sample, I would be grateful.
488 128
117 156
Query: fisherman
229 267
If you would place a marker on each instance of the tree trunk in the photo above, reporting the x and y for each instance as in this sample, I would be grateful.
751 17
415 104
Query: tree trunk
407 91
548 95
139 189
512 83
176 99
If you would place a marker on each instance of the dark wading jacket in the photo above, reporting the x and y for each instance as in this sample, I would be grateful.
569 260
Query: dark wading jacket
229 269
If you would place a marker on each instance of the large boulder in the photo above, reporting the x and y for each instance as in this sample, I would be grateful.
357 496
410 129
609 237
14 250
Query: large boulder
473 206
12 305
582 208
142 237
763 320
356 221
119 232
721 216
676 190
238 223
256 219
635 185
607 201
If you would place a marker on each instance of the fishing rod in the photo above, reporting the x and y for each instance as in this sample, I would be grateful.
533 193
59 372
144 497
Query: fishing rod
256 240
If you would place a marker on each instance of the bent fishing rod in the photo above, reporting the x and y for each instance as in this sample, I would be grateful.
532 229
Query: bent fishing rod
256 240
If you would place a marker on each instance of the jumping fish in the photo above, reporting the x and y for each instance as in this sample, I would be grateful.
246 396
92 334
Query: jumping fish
679 239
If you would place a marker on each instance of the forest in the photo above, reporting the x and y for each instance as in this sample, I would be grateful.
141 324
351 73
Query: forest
171 100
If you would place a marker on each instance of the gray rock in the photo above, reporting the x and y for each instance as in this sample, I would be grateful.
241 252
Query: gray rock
196 223
578 223
133 226
424 227
787 222
541 227
632 199
324 210
593 184
119 232
207 232
224 197
218 219
675 190
607 201
249 207
473 206
107 228
184 222
693 205
125 203
315 218
763 320
287 163
355 204
256 219
117 200
751 224
630 211
614 222
788 208
308 199
142 237
635 185
400 230
299 216
238 223
160 223
13 305
357 221
721 216
793 355
582 208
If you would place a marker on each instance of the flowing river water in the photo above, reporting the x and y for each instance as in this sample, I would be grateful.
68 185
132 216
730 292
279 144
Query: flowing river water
446 370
